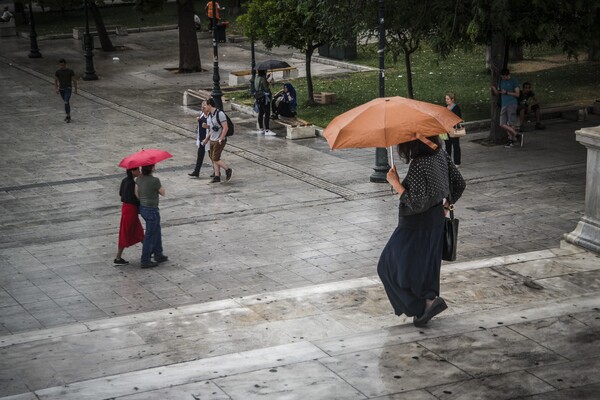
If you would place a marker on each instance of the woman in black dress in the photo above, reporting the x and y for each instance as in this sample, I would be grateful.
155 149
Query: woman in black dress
409 266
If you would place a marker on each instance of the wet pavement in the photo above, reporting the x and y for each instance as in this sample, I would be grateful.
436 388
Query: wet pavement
271 289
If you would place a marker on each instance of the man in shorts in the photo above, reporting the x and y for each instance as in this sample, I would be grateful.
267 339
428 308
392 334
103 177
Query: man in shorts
528 103
216 124
509 91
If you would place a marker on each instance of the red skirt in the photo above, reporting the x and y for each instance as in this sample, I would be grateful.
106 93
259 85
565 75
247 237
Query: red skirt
131 230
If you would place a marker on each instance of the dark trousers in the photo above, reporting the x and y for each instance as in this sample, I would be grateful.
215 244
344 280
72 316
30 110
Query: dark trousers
453 143
199 159
66 96
152 244
264 114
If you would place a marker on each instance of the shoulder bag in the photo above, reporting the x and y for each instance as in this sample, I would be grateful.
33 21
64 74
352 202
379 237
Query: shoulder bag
450 237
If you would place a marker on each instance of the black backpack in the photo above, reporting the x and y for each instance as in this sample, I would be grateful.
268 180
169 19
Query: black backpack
230 127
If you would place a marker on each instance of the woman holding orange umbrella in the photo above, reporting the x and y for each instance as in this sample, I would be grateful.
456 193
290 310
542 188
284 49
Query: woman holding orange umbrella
409 266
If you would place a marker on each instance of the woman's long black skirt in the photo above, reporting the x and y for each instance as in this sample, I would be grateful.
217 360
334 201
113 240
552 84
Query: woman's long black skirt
409 266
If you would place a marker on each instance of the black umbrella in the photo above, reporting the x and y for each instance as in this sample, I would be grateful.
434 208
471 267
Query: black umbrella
271 64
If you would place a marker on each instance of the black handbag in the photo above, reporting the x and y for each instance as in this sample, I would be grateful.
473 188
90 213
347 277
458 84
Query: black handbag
450 237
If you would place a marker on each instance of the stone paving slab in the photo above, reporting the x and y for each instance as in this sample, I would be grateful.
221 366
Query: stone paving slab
363 350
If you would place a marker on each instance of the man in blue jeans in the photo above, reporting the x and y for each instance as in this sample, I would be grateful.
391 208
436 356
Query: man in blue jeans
147 190
65 84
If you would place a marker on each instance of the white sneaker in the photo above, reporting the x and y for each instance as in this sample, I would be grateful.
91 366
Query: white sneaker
270 133
260 132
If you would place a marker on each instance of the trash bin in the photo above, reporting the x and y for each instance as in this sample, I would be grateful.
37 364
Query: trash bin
220 32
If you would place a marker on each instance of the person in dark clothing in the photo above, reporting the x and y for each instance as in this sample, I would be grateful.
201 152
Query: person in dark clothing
284 102
65 83
263 100
130 231
200 136
453 143
409 266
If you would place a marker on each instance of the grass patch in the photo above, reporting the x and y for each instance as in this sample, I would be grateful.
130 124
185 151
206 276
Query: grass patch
555 80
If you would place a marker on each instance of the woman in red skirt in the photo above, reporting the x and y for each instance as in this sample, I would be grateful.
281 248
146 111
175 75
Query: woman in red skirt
131 231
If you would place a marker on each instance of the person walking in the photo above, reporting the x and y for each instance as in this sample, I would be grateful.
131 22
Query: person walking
453 143
65 84
216 125
147 189
130 230
263 100
200 136
409 266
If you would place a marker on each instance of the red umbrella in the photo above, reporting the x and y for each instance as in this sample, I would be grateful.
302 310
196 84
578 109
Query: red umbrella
144 157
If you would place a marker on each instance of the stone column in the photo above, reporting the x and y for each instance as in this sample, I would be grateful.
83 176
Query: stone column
587 232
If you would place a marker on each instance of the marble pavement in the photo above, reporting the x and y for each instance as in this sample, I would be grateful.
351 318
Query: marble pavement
271 290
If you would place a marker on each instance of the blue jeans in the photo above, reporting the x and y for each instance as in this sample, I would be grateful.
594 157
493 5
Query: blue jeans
66 96
152 238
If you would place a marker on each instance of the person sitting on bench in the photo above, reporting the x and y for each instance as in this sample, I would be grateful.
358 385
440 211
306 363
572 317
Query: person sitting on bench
528 103
284 102
6 15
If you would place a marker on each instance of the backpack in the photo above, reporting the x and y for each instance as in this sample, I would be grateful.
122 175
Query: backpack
231 128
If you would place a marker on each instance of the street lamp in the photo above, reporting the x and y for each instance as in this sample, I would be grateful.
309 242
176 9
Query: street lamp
216 92
253 66
381 155
88 46
34 52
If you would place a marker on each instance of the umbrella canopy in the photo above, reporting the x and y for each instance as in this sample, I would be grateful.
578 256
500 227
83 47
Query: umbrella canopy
144 157
271 64
388 121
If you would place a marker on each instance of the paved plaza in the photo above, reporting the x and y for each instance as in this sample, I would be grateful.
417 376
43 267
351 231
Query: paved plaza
271 288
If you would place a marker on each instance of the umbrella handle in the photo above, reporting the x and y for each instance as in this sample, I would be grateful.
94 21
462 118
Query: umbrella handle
391 156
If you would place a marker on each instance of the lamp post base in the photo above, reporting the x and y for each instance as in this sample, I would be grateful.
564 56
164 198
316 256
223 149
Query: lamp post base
381 166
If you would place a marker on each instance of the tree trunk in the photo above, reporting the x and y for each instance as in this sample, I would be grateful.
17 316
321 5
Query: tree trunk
309 82
189 55
409 80
497 62
101 28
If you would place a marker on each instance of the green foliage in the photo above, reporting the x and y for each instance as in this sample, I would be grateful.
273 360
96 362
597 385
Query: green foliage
463 73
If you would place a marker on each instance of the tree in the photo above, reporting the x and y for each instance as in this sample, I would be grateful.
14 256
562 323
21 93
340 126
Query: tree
302 24
189 55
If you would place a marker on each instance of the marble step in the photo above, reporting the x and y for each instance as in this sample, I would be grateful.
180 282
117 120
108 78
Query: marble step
193 345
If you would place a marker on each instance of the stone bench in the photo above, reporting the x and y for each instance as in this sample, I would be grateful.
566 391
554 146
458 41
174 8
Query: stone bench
324 98
296 128
8 28
118 30
197 96
575 112
244 76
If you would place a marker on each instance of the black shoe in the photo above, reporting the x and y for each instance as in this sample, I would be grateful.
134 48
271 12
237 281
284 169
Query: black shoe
120 261
161 259
228 173
194 174
434 309
216 179
509 144
149 264
212 175
68 119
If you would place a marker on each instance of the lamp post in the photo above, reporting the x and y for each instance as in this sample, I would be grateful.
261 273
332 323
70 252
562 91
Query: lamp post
381 155
216 92
34 52
88 45
253 66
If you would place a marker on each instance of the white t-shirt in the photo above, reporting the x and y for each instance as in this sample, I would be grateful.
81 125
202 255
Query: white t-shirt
211 121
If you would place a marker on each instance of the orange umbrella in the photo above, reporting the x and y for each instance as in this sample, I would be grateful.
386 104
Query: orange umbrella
388 121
